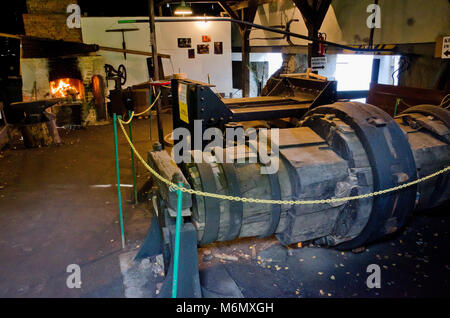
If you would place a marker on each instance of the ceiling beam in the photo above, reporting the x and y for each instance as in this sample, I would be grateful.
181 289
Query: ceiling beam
313 12
249 13
228 10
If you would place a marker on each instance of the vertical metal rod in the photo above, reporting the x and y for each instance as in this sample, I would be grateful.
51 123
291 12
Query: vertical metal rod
372 30
151 119
132 161
151 15
116 148
177 242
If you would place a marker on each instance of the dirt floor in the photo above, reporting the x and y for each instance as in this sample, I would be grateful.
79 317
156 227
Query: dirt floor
58 206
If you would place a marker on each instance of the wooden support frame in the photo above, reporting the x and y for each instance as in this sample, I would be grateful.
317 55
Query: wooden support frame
228 9
313 13
247 13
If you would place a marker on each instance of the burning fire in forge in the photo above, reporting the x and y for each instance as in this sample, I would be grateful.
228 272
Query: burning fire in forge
66 87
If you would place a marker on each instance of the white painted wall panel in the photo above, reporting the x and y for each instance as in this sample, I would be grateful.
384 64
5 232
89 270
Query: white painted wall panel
219 67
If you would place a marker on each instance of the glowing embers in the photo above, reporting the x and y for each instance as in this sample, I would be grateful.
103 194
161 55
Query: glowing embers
67 87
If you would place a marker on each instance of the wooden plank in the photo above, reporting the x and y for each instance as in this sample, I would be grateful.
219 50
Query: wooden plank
113 49
14 36
385 97
438 47
302 136
228 10
188 80
253 99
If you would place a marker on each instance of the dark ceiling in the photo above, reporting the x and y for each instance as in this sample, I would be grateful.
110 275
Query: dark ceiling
140 8
11 14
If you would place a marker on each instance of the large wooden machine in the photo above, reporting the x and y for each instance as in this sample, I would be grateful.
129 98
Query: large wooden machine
327 149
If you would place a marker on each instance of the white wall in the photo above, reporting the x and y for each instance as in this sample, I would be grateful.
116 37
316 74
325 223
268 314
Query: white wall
402 21
219 67
93 32
279 13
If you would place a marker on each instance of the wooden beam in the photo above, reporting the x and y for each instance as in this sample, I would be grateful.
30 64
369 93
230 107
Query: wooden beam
113 49
313 13
306 12
324 5
228 10
250 11
7 35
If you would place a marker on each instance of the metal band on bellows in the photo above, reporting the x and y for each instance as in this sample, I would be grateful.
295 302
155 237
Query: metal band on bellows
368 122
275 208
212 205
236 207
439 113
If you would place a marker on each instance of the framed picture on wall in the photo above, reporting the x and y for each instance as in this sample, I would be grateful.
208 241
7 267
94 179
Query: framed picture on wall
218 47
191 53
206 38
202 48
184 42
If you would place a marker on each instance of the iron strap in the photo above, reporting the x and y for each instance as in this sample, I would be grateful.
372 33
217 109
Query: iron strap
212 205
236 207
371 126
275 208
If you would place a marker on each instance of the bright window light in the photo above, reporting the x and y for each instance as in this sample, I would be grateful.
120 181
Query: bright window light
353 72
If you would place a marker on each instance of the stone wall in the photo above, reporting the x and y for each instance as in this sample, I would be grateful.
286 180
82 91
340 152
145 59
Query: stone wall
48 6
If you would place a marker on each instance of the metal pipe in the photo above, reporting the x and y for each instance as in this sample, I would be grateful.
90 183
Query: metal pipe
151 22
116 152
177 241
372 30
261 27
132 161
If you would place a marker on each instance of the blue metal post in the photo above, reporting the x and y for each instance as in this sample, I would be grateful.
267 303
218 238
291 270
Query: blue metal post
116 148
177 241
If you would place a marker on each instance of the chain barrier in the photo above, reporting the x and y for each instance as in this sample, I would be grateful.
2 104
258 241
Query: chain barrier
175 187
141 113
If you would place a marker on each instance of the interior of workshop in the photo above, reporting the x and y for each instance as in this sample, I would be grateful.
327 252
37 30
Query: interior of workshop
225 149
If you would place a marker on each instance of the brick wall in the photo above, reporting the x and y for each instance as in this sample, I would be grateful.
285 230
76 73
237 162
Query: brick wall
47 19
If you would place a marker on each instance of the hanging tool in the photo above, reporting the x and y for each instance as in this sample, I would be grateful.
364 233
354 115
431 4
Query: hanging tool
123 30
